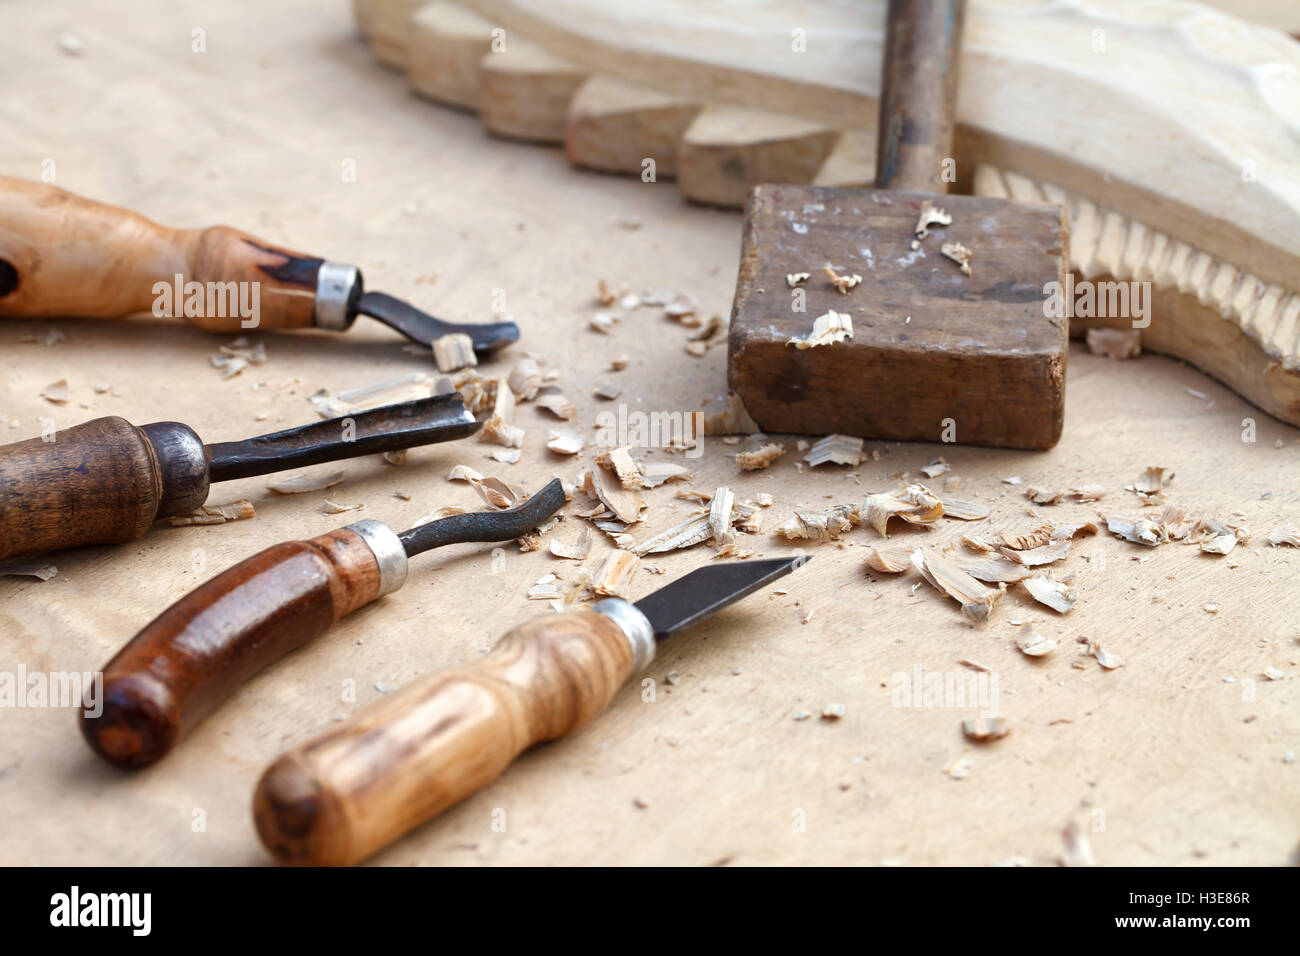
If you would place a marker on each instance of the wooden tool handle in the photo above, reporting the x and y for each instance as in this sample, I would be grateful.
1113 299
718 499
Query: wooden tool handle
198 651
62 255
343 796
918 96
102 482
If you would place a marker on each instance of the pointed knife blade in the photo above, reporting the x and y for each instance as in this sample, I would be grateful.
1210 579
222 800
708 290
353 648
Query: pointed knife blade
709 589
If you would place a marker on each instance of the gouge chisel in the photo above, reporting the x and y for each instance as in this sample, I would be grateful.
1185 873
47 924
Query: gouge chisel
63 255
198 651
106 481
345 795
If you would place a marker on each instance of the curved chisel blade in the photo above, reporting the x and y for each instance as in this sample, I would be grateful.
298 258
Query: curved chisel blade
709 589
423 328
486 525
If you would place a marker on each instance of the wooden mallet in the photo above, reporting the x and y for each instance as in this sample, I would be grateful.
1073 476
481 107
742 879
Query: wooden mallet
939 351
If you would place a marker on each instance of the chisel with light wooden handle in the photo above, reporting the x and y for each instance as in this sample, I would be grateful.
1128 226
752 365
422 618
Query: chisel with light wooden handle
106 481
196 653
63 255
345 795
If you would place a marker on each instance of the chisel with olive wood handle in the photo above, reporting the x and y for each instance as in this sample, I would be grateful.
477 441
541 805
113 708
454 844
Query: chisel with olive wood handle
345 795
63 255
106 481
197 652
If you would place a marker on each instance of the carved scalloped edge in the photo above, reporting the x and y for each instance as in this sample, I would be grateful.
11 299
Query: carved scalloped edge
1104 242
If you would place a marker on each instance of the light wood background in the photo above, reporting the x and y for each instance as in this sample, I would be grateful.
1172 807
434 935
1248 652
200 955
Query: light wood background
1161 761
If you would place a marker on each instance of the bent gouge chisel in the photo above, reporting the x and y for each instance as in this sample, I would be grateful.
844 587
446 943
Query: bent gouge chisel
63 255
106 481
343 796
198 651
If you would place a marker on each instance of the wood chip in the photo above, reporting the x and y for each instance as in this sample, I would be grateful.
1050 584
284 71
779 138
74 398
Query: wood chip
827 329
983 729
464 473
1075 849
565 442
797 278
729 418
1023 542
453 352
1115 343
603 322
843 283
216 514
618 364
614 579
1138 530
1151 483
577 551
836 449
930 215
1033 644
964 510
914 504
57 393
690 532
507 456
1216 537
760 457
656 473
1106 659
818 525
525 379
936 468
624 466
498 428
545 589
1285 534
1054 594
720 516
990 569
42 572
329 507
624 503
976 599
1046 554
607 391
558 405
889 560
297 484
958 254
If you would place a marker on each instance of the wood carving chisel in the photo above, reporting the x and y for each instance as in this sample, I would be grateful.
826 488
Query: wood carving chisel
196 653
63 255
903 312
106 481
348 793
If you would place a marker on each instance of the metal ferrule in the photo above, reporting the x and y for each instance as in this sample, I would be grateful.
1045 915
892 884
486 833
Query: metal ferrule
634 625
388 552
338 286
182 463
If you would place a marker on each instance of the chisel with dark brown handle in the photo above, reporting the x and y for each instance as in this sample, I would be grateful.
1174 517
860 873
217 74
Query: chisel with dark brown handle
196 653
106 481
345 795
63 255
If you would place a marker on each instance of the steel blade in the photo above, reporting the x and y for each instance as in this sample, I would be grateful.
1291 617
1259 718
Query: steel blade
424 328
486 525
709 589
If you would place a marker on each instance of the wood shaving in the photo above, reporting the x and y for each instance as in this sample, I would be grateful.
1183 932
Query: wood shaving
682 308
964 510
760 457
453 352
464 473
525 379
833 711
972 543
298 484
216 514
982 729
930 215
577 551
1284 534
729 418
747 518
507 456
603 295
1075 849
624 503
495 492
558 405
498 428
976 599
827 329
1023 542
621 462
990 569
614 579
545 589
606 391
889 560
914 504
232 359
818 526
763 499
721 510
690 532
958 254
936 468
565 442
1216 537
1046 554
797 278
836 449
1151 484
57 393
1138 530
1106 659
42 572
843 284
1061 532
603 322
1115 343
959 768
1034 644
1058 596
329 507
656 473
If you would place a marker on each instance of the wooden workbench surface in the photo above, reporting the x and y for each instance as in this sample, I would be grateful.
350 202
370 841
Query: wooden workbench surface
1179 757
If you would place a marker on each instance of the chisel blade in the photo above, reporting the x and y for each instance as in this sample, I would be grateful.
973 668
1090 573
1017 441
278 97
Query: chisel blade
709 589
423 328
